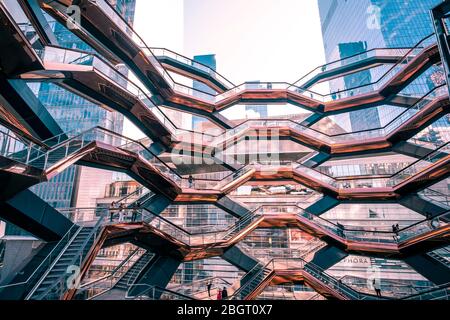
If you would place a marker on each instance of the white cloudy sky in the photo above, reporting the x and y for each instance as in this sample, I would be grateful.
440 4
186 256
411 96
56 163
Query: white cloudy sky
266 40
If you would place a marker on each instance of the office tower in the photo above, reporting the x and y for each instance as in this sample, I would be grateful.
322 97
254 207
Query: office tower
208 60
362 25
350 27
75 113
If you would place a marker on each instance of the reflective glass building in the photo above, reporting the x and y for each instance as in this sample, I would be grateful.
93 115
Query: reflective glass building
75 113
350 27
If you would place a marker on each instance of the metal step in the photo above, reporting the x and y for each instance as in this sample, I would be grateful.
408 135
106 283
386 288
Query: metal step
58 270
439 258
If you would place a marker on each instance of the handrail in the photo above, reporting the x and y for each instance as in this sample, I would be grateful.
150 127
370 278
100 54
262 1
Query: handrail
268 120
387 177
405 57
393 283
112 275
233 174
335 284
417 45
164 72
442 257
29 145
395 123
114 271
68 233
248 120
248 216
139 143
265 267
194 62
289 85
96 128
195 282
58 137
135 192
78 255
142 94
120 17
166 221
101 129
363 53
312 129
436 288
63 143
260 211
68 210
136 272
16 26
156 288
148 48
54 262
157 216
259 265
433 193
443 249
359 294
344 229
4 124
421 159
316 217
405 111
259 268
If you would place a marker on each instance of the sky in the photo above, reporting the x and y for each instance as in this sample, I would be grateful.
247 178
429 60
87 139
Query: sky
265 40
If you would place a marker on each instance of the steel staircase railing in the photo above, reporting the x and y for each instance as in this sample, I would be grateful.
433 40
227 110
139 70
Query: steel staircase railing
163 52
442 255
136 271
58 288
117 19
435 197
197 287
256 276
440 292
408 53
59 152
155 293
46 263
363 234
122 24
107 282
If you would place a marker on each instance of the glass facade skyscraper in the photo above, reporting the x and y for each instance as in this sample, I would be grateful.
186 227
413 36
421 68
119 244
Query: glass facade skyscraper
376 23
73 112
350 27
210 61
